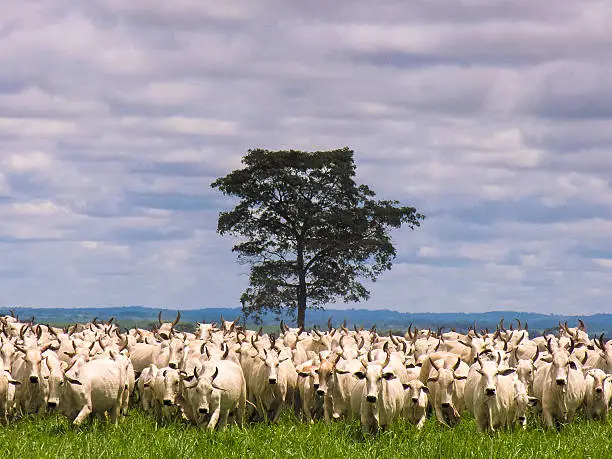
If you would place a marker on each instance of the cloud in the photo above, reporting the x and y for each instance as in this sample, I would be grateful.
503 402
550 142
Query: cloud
493 118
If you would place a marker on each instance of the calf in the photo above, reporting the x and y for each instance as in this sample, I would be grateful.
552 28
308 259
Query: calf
598 393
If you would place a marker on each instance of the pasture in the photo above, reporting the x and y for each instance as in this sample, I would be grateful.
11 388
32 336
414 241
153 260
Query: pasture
139 436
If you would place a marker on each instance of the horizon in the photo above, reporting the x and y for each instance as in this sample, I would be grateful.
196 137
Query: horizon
493 119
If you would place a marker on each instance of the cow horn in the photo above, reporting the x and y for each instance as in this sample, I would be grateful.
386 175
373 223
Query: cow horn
283 327
526 326
259 332
110 321
457 363
501 325
159 317
355 327
222 322
226 353
601 341
341 343
572 345
498 358
94 321
329 324
387 360
433 364
39 332
195 372
549 345
178 317
518 322
12 312
511 326
505 345
520 339
386 347
215 373
582 326
360 345
22 331
537 354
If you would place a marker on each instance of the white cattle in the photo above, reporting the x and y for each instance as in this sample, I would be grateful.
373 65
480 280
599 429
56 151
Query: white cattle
598 394
416 399
381 396
446 387
96 386
560 386
215 394
489 392
164 391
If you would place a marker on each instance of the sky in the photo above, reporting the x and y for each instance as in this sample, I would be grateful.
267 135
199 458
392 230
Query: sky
493 118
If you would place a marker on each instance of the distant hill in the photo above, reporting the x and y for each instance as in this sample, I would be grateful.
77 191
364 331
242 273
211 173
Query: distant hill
384 319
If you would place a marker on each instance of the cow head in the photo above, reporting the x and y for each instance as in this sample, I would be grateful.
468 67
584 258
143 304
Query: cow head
416 393
489 371
446 379
374 373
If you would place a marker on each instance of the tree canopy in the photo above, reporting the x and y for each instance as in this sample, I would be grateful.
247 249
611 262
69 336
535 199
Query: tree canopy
310 233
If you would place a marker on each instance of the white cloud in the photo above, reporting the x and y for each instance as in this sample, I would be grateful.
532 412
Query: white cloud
493 118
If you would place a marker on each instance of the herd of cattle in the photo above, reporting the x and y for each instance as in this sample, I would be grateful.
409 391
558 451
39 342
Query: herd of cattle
225 373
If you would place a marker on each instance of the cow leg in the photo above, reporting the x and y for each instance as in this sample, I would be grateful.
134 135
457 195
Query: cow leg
223 419
85 411
548 419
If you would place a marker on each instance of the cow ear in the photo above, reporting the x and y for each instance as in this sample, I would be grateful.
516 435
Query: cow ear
425 389
532 401
406 386
506 371
360 374
460 378
74 381
146 384
573 365
14 382
341 372
432 379
303 374
389 376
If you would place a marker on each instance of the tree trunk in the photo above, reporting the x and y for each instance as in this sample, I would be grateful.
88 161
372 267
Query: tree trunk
301 290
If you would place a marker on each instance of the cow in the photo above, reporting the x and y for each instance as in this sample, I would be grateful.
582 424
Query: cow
446 386
489 392
96 386
560 386
598 393
381 395
216 393
164 391
416 399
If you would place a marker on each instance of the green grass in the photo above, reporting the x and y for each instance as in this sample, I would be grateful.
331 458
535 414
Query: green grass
138 436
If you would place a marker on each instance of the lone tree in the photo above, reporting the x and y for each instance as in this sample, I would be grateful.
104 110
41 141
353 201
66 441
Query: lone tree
309 232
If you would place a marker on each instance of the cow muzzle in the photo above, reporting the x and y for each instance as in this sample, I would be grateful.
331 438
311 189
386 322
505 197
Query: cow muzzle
490 391
167 402
561 382
272 380
51 404
203 410
34 379
599 390
173 365
445 405
320 392
371 398
316 386
415 400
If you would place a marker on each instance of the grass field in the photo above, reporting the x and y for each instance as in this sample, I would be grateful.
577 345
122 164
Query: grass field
138 436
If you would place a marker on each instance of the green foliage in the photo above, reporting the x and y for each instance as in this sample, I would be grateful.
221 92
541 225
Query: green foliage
139 436
308 230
